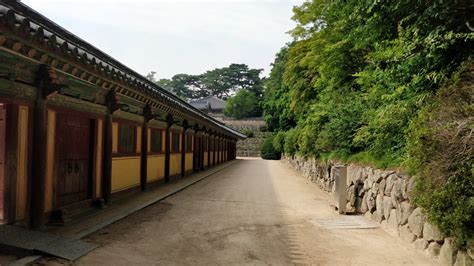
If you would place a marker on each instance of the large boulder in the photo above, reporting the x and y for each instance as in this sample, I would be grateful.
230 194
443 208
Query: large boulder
416 222
448 252
405 234
433 249
368 184
470 248
375 188
432 233
390 180
350 208
404 211
370 201
379 206
350 194
396 193
405 182
382 187
410 186
376 176
362 206
420 244
462 259
387 206
392 221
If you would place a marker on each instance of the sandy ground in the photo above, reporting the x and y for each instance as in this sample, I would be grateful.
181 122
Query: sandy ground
254 212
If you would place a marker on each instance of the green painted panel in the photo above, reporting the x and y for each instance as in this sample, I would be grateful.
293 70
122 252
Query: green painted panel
67 102
82 90
19 91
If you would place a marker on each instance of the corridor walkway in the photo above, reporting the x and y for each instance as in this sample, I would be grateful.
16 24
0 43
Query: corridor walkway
253 212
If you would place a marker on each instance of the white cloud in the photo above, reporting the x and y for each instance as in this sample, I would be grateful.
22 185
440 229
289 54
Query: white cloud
182 36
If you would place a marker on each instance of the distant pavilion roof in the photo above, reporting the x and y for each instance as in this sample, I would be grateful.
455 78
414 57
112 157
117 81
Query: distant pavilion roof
209 102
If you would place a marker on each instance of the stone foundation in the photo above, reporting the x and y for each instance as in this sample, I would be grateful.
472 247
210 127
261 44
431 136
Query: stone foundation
384 197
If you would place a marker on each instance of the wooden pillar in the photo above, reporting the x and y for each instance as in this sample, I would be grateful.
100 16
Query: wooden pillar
144 157
183 149
39 162
107 159
195 150
10 162
220 150
113 105
209 151
46 81
214 162
144 148
201 151
169 121
224 154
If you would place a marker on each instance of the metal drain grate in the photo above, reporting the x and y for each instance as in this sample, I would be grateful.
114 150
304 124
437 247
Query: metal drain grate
345 222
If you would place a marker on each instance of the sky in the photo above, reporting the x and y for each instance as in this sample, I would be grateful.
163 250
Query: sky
180 36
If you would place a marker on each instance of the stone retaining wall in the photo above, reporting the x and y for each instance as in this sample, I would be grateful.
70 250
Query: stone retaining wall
384 197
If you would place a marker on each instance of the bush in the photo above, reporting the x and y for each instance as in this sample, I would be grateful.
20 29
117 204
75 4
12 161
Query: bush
244 104
249 133
263 128
291 138
441 153
269 152
279 141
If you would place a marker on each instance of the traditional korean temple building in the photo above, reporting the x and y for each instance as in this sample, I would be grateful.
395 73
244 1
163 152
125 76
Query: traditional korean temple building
78 128
210 105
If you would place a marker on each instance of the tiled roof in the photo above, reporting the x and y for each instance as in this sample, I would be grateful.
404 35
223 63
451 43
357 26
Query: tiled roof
211 102
42 29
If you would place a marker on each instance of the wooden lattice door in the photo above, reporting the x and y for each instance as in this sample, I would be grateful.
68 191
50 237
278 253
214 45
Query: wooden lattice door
73 158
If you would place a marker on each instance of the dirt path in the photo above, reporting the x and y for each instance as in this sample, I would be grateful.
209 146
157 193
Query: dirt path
254 212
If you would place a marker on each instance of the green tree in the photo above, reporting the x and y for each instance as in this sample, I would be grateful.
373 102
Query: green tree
359 73
184 86
220 82
276 105
244 104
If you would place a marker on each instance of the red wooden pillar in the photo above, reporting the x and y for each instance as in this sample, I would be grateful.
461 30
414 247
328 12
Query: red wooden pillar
209 151
195 149
46 85
169 121
201 151
147 116
183 149
10 140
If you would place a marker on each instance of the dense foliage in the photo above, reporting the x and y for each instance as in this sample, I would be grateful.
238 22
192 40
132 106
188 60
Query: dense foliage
441 150
220 82
243 104
268 152
357 81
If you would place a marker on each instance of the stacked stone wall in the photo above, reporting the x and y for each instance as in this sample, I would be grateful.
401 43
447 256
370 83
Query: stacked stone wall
384 197
249 147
